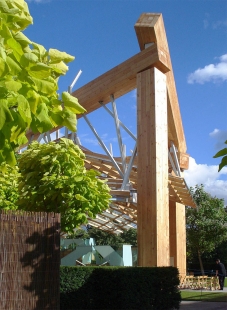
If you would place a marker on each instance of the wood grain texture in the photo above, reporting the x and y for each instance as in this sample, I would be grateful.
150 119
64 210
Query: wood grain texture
150 29
121 79
152 169
177 224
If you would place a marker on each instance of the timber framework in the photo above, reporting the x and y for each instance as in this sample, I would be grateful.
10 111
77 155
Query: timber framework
148 189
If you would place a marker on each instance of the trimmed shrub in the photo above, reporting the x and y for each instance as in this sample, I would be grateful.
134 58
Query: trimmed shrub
119 288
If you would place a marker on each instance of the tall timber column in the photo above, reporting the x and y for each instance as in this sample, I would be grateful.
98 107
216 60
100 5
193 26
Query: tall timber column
177 222
152 169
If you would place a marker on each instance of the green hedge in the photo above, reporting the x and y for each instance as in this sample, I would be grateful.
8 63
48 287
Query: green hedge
119 288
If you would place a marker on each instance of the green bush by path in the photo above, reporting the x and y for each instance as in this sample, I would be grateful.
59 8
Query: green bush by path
119 288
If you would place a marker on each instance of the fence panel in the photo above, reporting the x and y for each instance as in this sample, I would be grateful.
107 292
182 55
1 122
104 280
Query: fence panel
29 260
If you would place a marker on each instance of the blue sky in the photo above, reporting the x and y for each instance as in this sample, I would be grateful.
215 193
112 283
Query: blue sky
100 34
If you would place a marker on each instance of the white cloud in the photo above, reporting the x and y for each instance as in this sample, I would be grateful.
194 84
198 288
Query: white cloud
205 23
220 136
85 138
91 141
223 58
210 73
219 23
214 182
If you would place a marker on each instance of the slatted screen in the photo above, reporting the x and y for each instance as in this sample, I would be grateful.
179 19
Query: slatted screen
29 261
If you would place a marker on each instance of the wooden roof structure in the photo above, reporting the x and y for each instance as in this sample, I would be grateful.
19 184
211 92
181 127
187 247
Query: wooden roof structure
122 212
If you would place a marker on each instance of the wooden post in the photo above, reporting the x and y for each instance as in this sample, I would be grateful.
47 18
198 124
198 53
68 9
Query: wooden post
177 223
152 169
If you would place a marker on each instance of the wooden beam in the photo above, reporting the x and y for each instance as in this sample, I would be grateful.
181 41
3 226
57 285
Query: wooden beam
150 29
120 193
178 236
121 79
184 161
118 81
152 169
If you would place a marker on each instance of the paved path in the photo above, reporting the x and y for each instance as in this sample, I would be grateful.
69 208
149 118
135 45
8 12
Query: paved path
203 305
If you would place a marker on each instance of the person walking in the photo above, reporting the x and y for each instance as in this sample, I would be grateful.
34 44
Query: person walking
220 273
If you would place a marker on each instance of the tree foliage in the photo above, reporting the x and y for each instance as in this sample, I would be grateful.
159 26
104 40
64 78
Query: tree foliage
129 236
8 186
54 179
206 225
221 153
107 238
29 82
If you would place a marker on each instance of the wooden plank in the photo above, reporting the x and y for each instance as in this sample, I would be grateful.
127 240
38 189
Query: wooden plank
120 193
184 160
121 79
150 29
131 214
152 170
178 236
118 81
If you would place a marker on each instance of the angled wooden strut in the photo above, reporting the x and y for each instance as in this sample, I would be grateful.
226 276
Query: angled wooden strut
150 29
160 222
118 81
162 196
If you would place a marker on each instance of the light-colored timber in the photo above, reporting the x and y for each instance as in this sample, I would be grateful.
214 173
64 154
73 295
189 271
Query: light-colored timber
152 169
177 230
157 194
150 29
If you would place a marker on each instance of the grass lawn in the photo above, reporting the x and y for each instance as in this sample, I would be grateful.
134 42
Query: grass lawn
203 296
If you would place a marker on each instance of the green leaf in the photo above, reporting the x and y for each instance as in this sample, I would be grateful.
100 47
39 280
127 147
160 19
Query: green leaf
43 117
70 120
221 153
56 56
223 163
40 71
5 8
2 140
21 38
45 86
5 115
72 103
4 68
14 129
57 117
28 59
59 68
13 65
5 32
24 109
13 85
8 154
41 51
2 53
16 47
33 99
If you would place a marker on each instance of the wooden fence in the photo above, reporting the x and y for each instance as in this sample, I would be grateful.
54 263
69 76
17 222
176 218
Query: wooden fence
29 261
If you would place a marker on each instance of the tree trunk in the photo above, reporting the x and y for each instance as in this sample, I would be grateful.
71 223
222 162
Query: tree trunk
200 263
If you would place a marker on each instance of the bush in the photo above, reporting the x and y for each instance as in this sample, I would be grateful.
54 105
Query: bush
119 288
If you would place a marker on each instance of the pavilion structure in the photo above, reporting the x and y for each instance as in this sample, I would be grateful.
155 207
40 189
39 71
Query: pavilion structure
148 189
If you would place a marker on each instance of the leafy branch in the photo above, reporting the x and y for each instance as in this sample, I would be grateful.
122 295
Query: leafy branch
223 153
29 82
